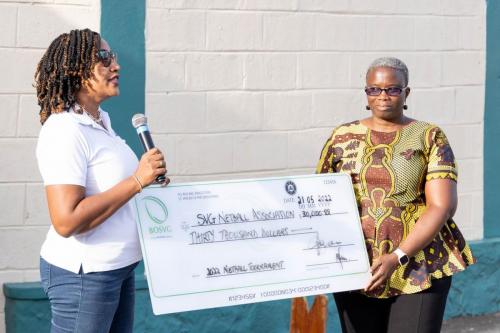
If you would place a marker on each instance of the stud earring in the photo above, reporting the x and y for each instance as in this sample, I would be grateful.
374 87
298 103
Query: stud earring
367 107
405 107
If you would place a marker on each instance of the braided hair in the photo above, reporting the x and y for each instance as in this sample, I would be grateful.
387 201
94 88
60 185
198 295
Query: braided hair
64 67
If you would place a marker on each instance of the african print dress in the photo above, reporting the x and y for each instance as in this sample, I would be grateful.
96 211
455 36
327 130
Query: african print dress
389 171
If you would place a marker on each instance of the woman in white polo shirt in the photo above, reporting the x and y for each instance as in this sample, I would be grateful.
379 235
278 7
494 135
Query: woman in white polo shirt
90 174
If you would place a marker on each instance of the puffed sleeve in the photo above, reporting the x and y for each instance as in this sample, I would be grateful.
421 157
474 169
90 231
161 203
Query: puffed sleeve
62 154
328 158
442 164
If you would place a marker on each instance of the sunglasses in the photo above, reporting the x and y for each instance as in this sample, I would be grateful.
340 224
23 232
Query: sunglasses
391 91
106 57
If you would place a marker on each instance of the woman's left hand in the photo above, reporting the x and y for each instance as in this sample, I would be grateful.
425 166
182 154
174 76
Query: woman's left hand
382 269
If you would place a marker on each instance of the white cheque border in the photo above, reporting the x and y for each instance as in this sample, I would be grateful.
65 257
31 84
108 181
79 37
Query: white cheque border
361 273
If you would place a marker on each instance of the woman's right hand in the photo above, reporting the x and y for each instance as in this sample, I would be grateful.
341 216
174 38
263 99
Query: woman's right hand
72 212
151 165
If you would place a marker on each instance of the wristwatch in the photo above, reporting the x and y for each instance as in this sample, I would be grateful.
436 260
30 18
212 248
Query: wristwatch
402 257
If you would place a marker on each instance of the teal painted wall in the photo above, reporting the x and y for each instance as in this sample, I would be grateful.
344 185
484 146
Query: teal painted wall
122 25
492 121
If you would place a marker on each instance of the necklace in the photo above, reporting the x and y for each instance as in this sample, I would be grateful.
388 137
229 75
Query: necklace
97 119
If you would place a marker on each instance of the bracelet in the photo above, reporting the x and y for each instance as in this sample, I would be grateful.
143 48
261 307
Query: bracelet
138 182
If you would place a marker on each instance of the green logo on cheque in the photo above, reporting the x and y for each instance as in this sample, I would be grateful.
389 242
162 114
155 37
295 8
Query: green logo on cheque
158 213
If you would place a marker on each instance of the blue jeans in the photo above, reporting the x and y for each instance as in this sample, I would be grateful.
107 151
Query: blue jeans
93 302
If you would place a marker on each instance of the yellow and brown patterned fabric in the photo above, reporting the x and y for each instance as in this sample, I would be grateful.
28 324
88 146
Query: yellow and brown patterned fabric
389 171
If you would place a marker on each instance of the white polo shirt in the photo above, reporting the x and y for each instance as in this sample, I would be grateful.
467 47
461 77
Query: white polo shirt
73 149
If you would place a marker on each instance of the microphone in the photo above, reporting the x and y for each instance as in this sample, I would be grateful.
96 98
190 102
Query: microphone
140 123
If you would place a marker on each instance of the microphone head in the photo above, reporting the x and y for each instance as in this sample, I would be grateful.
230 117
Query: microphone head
139 120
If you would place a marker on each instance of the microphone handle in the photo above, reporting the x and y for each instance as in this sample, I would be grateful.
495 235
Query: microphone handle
146 140
160 179
147 144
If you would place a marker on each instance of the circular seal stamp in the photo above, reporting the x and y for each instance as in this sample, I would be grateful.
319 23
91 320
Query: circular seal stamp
290 187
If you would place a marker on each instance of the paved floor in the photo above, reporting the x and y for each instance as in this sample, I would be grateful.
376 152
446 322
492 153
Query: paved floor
477 324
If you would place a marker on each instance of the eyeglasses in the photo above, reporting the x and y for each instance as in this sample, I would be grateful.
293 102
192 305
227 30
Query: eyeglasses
106 57
391 91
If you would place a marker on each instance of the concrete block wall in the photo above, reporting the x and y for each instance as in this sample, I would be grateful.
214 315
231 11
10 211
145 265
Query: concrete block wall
27 29
253 88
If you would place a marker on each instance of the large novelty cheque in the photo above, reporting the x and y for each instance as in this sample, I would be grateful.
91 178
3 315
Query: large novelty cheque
215 244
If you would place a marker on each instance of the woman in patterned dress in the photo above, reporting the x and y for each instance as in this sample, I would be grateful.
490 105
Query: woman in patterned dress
404 176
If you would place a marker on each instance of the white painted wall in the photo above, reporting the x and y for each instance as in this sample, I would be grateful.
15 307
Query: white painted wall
27 28
254 87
